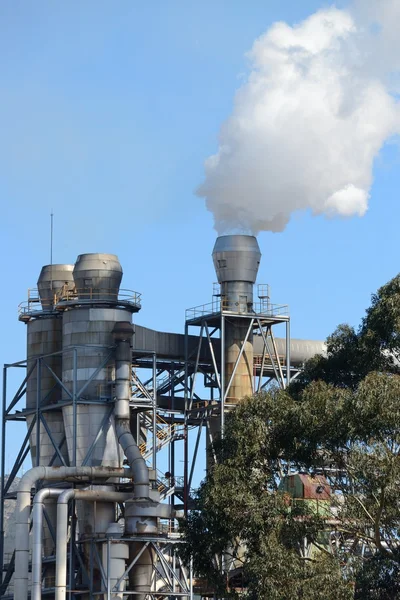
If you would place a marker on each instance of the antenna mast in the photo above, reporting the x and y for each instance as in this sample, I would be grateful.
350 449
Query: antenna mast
51 237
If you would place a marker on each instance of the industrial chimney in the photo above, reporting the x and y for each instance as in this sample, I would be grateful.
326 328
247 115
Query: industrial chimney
236 260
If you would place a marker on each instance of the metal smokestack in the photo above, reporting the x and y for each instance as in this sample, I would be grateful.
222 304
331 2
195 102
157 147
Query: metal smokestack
236 260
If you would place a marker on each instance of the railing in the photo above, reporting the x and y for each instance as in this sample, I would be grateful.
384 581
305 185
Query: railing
258 360
220 305
164 433
66 295
164 484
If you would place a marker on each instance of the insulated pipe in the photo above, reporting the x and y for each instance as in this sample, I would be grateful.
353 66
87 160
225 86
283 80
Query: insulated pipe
30 478
140 577
37 519
62 528
123 332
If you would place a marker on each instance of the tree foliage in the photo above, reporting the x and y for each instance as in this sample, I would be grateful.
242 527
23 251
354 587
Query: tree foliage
342 419
352 354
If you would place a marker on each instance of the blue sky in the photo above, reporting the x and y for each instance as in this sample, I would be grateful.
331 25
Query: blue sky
107 113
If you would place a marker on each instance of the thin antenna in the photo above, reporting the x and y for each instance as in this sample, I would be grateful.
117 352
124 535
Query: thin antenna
51 253
51 237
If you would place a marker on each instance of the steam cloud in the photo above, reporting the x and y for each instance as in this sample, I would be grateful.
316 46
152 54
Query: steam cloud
318 105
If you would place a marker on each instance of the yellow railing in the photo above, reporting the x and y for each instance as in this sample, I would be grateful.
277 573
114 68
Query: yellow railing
161 434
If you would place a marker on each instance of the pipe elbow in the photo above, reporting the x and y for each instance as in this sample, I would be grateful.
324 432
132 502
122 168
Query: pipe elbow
30 478
66 496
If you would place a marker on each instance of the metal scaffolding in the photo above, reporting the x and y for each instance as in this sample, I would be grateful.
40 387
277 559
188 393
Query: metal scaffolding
181 388
176 577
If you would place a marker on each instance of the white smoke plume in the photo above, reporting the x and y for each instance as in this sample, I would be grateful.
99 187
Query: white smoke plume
318 105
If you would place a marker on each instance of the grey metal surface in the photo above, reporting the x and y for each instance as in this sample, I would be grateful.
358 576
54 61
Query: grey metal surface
236 261
89 331
29 480
97 276
172 346
44 337
52 280
93 496
37 526
97 375
236 258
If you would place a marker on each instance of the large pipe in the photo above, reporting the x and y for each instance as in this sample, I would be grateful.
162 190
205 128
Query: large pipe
140 577
37 533
62 528
29 480
122 334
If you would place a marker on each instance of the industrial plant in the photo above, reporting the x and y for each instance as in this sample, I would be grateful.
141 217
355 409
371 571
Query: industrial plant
119 422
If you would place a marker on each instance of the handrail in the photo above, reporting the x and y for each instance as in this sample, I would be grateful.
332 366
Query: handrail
65 295
218 305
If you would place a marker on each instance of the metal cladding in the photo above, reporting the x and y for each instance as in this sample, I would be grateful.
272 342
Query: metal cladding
236 258
97 276
44 338
89 331
236 261
52 280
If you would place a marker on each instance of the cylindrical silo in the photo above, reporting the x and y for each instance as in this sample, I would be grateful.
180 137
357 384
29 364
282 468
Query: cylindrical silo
44 338
89 373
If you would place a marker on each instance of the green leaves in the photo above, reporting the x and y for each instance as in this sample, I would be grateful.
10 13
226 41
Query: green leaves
341 417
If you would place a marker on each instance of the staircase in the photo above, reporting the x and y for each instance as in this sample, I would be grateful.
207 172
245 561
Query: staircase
165 433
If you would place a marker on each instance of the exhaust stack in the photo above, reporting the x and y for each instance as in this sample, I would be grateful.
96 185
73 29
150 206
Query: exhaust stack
236 260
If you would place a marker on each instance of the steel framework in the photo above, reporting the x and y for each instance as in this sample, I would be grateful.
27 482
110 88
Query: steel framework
170 410
177 578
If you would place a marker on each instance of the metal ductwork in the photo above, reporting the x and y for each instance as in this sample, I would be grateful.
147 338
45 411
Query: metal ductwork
53 280
97 276
236 260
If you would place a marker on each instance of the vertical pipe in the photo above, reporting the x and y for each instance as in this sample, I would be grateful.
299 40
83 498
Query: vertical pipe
154 411
38 421
61 552
91 559
72 549
172 445
185 441
74 407
37 528
287 352
62 529
191 578
174 570
108 571
3 466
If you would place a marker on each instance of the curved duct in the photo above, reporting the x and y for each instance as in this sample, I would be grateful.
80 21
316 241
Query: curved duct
23 506
62 530
140 577
122 333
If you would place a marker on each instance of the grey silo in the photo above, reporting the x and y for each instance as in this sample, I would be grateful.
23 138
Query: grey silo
44 338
